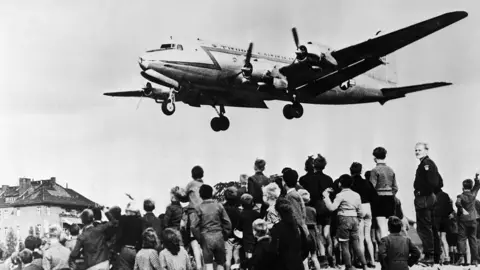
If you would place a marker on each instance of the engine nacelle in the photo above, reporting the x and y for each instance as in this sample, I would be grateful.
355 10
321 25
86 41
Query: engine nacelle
316 53
157 93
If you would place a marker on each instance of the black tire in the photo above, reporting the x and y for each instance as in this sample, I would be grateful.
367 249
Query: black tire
288 112
297 109
168 107
216 124
224 123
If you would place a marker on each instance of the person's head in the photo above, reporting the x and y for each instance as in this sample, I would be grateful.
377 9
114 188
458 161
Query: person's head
243 179
32 242
367 175
467 184
356 169
132 209
259 165
171 240
74 230
149 239
247 201
54 231
319 163
271 193
259 227
284 170
206 192
285 211
309 164
421 150
305 195
346 181
148 205
231 194
394 224
26 256
290 178
197 172
379 154
87 217
115 211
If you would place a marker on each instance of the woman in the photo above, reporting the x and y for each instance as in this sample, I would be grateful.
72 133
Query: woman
286 245
271 193
147 258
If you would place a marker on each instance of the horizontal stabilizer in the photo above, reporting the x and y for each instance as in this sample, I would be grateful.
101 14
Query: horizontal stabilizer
126 94
401 91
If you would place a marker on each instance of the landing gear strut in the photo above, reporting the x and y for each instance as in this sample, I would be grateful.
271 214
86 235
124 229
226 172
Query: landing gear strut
168 106
220 123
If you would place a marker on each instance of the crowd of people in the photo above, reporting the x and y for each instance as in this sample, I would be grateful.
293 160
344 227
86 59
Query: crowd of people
278 222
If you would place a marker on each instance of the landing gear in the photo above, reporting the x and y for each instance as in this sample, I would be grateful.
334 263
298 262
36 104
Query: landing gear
294 110
168 106
220 123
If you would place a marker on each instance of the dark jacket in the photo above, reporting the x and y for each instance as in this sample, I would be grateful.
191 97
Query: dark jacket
443 205
427 178
261 257
151 221
397 252
210 217
255 184
286 247
247 217
466 200
234 214
364 188
130 232
384 180
312 184
173 215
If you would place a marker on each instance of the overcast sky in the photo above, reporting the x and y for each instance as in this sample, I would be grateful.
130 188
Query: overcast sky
58 57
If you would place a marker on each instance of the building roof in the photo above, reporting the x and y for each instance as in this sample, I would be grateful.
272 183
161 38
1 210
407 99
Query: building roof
44 192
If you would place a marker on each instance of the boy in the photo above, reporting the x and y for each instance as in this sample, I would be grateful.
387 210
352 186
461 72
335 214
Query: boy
261 258
348 204
311 222
392 248
467 224
247 216
232 245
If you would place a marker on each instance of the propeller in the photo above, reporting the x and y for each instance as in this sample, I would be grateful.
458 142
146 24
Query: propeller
301 50
295 37
247 69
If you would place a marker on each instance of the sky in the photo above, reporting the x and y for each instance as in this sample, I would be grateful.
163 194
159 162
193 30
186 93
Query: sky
59 57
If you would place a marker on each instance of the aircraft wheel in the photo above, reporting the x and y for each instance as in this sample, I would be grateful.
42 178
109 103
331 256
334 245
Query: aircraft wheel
216 124
297 109
168 107
224 123
288 112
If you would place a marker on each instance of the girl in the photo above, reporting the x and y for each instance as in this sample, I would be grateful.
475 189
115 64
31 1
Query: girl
174 256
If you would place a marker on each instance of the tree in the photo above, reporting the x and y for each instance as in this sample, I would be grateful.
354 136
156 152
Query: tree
31 231
11 242
221 187
3 251
21 244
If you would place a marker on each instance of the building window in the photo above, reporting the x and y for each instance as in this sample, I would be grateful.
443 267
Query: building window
39 211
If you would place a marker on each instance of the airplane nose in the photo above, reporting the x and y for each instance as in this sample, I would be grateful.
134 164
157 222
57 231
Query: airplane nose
143 64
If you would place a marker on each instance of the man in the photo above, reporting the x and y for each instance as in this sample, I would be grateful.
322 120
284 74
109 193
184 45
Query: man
57 255
26 256
427 180
256 182
92 242
210 226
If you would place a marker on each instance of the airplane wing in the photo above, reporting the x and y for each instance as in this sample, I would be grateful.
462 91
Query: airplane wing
214 98
359 58
138 93
399 92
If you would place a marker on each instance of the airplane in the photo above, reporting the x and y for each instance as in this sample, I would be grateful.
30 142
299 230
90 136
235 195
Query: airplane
217 75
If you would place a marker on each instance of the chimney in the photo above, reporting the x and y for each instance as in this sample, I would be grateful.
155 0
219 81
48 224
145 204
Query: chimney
24 184
4 188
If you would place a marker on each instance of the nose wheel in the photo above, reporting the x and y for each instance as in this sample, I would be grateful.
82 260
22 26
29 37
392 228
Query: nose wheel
294 110
220 123
168 106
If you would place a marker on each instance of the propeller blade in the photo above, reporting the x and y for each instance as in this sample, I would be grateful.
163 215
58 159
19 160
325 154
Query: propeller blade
295 37
138 104
249 53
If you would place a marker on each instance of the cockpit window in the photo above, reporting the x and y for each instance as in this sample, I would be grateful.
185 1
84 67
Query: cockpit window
169 46
179 47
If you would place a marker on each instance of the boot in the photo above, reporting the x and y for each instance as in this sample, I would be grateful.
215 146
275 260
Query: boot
427 259
462 259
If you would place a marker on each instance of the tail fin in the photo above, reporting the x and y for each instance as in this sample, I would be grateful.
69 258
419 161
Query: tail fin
386 72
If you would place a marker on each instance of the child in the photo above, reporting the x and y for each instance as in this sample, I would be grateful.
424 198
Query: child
173 213
467 223
348 204
147 258
174 256
392 249
260 258
312 226
247 217
232 244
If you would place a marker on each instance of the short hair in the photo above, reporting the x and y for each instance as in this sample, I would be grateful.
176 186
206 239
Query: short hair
197 172
309 164
243 178
467 184
286 169
305 195
367 175
115 211
32 242
356 168
171 240
54 231
271 191
206 192
87 216
319 163
148 205
425 145
260 164
394 224
380 153
149 239
346 181
291 178
259 227
26 256
74 230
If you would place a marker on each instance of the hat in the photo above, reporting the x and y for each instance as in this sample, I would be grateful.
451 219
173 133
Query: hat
304 194
246 199
132 207
259 225
230 193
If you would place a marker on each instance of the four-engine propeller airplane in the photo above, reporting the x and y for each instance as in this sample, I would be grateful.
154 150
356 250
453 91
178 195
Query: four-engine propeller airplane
205 73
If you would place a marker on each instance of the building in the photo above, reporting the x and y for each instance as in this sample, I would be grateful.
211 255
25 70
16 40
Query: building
34 205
